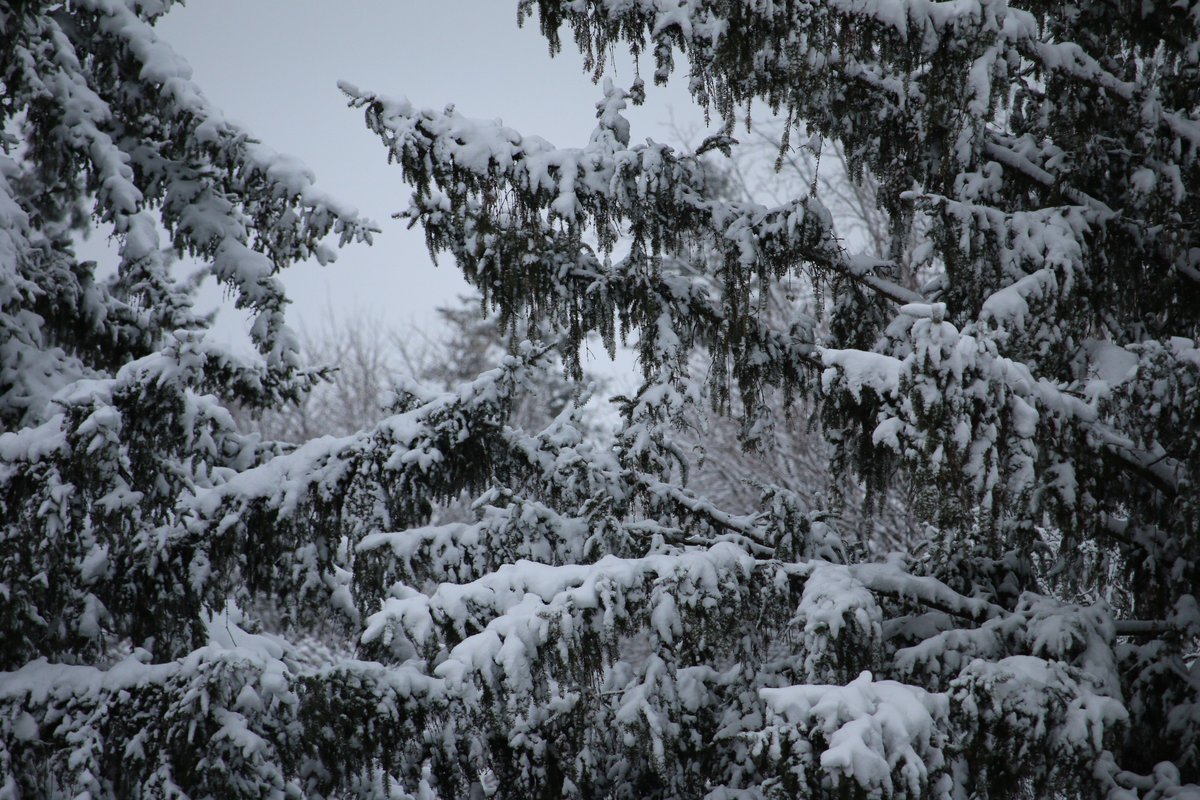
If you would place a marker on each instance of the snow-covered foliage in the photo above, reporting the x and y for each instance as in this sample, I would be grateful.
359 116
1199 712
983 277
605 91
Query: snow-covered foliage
596 628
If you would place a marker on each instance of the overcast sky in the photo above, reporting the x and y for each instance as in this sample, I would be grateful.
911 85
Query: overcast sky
273 65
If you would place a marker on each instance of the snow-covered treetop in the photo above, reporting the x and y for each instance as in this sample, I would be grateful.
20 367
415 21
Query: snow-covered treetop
104 125
1041 371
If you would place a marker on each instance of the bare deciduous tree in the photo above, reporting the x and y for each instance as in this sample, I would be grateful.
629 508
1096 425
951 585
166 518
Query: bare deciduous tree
767 167
367 357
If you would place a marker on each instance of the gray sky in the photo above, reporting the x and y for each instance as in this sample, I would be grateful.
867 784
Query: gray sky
273 65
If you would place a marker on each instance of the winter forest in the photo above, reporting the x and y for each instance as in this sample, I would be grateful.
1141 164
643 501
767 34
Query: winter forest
900 505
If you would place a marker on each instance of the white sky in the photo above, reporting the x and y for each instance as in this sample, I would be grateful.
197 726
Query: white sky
273 65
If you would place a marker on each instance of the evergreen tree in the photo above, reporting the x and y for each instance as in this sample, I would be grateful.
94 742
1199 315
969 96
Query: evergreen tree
598 629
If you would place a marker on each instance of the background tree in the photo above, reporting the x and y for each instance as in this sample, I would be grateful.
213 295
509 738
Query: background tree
368 359
597 629
765 167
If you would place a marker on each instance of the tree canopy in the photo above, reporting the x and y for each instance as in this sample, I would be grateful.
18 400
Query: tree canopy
191 611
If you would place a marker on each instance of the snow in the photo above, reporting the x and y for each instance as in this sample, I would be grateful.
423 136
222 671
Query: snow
520 599
1009 307
35 444
883 735
1109 366
1020 686
860 369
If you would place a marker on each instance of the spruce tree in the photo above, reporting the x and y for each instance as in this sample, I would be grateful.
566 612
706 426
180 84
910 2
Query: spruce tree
598 629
